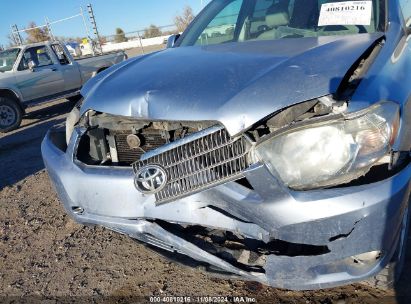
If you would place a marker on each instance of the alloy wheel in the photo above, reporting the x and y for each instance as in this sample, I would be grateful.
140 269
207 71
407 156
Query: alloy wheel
7 116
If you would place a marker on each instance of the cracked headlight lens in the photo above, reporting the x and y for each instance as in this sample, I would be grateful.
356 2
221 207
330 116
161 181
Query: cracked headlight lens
331 152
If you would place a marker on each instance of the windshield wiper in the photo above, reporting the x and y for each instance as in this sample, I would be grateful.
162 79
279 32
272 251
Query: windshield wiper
293 36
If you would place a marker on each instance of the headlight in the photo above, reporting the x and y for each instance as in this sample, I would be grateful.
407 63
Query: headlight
331 152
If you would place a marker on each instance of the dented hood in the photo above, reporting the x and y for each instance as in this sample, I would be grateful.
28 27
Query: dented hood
236 84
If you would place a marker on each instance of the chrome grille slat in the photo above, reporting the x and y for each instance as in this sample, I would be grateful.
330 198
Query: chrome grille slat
181 174
202 163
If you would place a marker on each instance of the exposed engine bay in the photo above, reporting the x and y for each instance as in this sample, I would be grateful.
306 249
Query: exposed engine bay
122 141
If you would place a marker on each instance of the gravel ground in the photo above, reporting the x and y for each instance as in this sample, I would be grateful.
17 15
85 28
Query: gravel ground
46 255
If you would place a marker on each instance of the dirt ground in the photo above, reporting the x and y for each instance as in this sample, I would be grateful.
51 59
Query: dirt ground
44 255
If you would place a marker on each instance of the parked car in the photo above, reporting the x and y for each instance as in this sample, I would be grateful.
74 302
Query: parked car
74 49
42 72
87 49
278 152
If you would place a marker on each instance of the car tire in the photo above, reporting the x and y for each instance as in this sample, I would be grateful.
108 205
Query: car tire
11 114
391 274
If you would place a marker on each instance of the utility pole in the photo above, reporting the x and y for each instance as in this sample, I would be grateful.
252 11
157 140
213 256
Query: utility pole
93 22
141 44
16 34
87 31
50 32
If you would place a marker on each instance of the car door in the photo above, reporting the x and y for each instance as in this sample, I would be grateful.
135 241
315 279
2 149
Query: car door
45 79
69 68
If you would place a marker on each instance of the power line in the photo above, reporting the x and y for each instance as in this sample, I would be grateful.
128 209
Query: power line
46 25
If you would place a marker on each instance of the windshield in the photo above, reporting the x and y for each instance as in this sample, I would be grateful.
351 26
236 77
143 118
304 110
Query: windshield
242 20
7 59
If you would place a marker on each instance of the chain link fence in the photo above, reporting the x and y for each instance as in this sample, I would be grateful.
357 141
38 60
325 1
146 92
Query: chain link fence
146 40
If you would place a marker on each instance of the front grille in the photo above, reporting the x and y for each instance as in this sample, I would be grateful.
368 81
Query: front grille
150 139
199 164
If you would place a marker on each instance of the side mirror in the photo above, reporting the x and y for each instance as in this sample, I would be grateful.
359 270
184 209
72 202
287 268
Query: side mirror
31 65
172 40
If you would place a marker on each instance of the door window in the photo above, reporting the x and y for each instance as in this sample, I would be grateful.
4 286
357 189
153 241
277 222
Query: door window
221 28
60 54
39 55
258 20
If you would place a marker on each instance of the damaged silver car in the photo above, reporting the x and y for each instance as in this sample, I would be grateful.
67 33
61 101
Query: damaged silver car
269 142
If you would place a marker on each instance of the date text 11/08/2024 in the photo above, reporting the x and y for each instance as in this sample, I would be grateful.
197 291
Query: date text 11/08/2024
202 299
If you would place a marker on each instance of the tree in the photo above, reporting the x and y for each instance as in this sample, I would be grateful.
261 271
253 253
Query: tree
120 36
182 21
152 31
36 34
103 39
12 40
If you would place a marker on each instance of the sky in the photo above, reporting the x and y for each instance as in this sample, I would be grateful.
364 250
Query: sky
130 15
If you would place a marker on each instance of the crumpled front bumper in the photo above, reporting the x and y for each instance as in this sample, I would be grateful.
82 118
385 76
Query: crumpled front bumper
348 221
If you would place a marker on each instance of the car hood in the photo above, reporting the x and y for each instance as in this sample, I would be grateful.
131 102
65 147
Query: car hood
236 84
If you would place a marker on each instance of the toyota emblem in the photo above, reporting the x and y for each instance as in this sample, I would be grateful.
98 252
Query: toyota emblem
150 179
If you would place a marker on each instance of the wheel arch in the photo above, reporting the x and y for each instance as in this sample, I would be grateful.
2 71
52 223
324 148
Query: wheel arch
9 93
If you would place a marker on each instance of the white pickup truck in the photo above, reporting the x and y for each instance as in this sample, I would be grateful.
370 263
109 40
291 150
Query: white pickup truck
43 72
